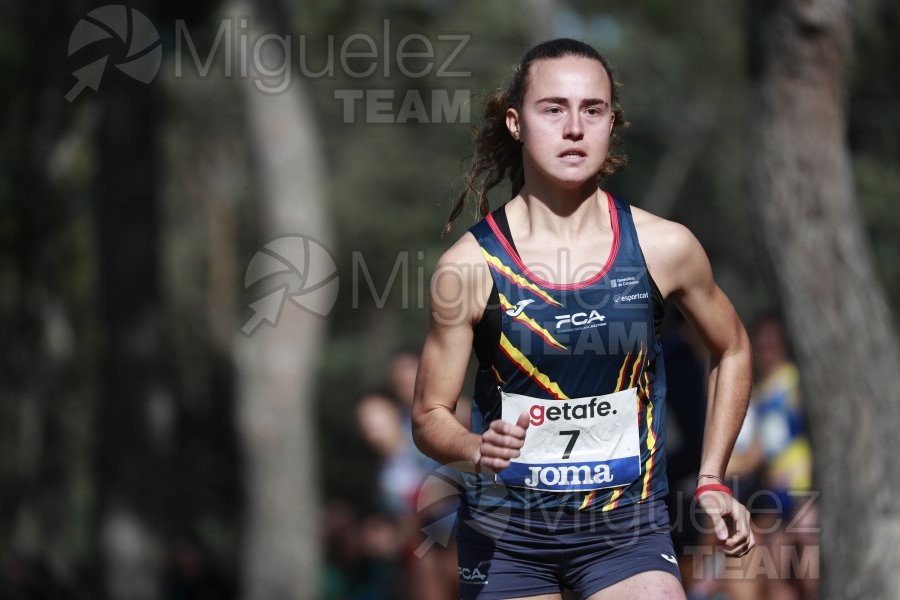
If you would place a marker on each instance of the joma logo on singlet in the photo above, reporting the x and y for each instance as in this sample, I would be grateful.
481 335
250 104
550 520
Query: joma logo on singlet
579 319
575 475
520 306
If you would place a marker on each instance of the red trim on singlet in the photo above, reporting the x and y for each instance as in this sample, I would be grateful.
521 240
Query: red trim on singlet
613 252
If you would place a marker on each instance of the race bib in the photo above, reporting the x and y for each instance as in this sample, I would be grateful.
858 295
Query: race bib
575 445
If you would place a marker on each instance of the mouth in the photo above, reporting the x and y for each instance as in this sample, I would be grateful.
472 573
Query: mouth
573 155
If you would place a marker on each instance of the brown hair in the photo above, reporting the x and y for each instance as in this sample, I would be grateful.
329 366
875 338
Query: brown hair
498 155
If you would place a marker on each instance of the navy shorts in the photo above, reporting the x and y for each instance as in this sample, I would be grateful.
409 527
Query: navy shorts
527 554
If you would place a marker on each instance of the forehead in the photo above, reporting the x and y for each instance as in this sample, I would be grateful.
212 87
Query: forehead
571 77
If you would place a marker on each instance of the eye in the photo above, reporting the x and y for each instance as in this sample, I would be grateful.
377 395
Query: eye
554 110
594 111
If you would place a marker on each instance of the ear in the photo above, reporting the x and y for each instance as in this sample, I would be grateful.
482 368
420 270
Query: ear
513 124
612 123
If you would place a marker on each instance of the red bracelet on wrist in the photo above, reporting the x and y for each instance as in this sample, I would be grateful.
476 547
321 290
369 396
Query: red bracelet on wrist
712 487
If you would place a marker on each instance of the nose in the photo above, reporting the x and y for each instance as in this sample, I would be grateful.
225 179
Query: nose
573 129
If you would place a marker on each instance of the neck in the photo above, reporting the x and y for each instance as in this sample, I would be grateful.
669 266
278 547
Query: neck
564 213
562 201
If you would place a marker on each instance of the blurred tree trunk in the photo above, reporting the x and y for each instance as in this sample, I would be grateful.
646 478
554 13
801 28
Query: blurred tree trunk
38 371
840 324
135 407
276 365
134 420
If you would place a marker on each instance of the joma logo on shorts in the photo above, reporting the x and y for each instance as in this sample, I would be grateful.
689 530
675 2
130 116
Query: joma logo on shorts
568 475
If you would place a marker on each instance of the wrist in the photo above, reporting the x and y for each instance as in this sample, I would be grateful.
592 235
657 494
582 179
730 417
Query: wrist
475 442
712 487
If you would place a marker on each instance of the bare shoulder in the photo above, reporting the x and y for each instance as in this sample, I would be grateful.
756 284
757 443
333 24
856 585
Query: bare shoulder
464 251
461 282
674 255
661 235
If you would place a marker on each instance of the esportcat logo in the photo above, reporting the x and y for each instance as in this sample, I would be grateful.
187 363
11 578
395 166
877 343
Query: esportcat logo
631 297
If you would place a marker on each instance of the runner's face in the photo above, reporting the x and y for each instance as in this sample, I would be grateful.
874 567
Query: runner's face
565 121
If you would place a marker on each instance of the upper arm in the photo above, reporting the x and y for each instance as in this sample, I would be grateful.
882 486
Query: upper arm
703 302
683 272
459 291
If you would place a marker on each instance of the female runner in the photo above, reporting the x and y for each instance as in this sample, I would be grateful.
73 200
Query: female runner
560 293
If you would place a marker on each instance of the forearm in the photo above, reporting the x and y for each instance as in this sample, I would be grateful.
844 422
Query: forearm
438 434
729 393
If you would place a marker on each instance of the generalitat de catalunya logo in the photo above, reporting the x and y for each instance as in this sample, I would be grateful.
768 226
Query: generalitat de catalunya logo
294 267
139 50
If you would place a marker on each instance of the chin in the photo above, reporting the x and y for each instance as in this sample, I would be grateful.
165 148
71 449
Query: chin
574 181
567 178
570 185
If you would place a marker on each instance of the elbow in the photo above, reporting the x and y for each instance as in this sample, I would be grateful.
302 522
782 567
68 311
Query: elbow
744 349
419 427
737 348
741 345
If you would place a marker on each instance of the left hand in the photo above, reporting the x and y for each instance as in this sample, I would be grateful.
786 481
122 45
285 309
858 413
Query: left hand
731 522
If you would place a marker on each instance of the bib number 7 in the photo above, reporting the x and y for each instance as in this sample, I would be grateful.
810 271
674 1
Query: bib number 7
573 437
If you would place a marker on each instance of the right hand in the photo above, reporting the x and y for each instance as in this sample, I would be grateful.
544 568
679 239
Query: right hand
501 442
731 522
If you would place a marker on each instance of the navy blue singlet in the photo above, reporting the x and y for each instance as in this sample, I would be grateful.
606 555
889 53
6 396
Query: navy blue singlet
556 342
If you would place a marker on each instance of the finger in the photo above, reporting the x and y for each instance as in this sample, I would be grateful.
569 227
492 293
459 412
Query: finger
496 451
715 505
502 440
741 533
504 428
734 547
742 542
494 463
524 420
738 539
731 547
741 519
718 524
740 551
736 552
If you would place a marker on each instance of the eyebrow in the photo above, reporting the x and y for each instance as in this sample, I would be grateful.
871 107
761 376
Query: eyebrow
585 102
